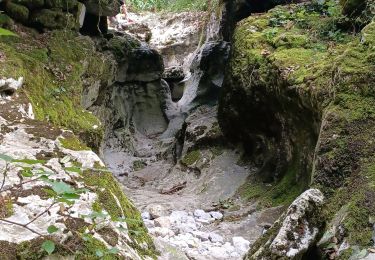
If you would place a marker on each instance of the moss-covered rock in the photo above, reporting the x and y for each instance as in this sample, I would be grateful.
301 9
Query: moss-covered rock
17 12
66 5
6 21
31 4
299 94
57 76
53 19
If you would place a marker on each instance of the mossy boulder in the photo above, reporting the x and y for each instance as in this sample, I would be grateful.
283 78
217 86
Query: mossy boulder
53 19
31 4
300 98
353 7
57 77
6 21
17 12
66 5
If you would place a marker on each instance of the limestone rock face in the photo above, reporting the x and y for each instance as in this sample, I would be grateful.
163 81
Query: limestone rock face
301 132
55 189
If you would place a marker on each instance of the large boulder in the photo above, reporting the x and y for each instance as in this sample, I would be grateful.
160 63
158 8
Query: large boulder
145 65
298 229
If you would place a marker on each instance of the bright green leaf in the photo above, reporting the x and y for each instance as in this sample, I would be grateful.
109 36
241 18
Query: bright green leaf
27 173
29 161
73 169
70 196
5 32
48 246
52 229
61 187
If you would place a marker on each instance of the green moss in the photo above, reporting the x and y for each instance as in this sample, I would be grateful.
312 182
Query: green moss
17 12
5 21
282 192
6 207
96 206
90 247
191 157
54 78
73 143
54 19
112 199
121 46
138 165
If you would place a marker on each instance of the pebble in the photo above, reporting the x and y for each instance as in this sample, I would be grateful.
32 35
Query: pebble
162 222
157 211
241 244
216 215
215 238
146 215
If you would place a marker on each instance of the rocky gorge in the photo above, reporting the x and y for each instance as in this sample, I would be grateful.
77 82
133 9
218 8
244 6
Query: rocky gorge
243 131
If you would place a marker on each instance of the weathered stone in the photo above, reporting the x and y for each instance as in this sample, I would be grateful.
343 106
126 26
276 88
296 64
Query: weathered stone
240 244
146 65
9 86
299 229
174 73
215 238
157 211
216 215
163 222
146 215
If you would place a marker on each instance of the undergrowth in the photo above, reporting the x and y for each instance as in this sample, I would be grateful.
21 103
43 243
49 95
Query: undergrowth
170 5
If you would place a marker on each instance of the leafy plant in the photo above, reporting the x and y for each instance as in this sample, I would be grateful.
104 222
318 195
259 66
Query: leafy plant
5 32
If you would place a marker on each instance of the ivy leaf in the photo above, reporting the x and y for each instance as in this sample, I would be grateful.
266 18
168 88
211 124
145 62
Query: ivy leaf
52 229
70 196
6 158
48 246
61 187
27 173
5 32
73 169
29 161
69 202
99 253
113 251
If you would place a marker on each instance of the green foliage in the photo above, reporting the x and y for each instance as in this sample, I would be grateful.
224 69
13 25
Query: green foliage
73 143
55 77
48 246
170 5
191 157
52 229
5 32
